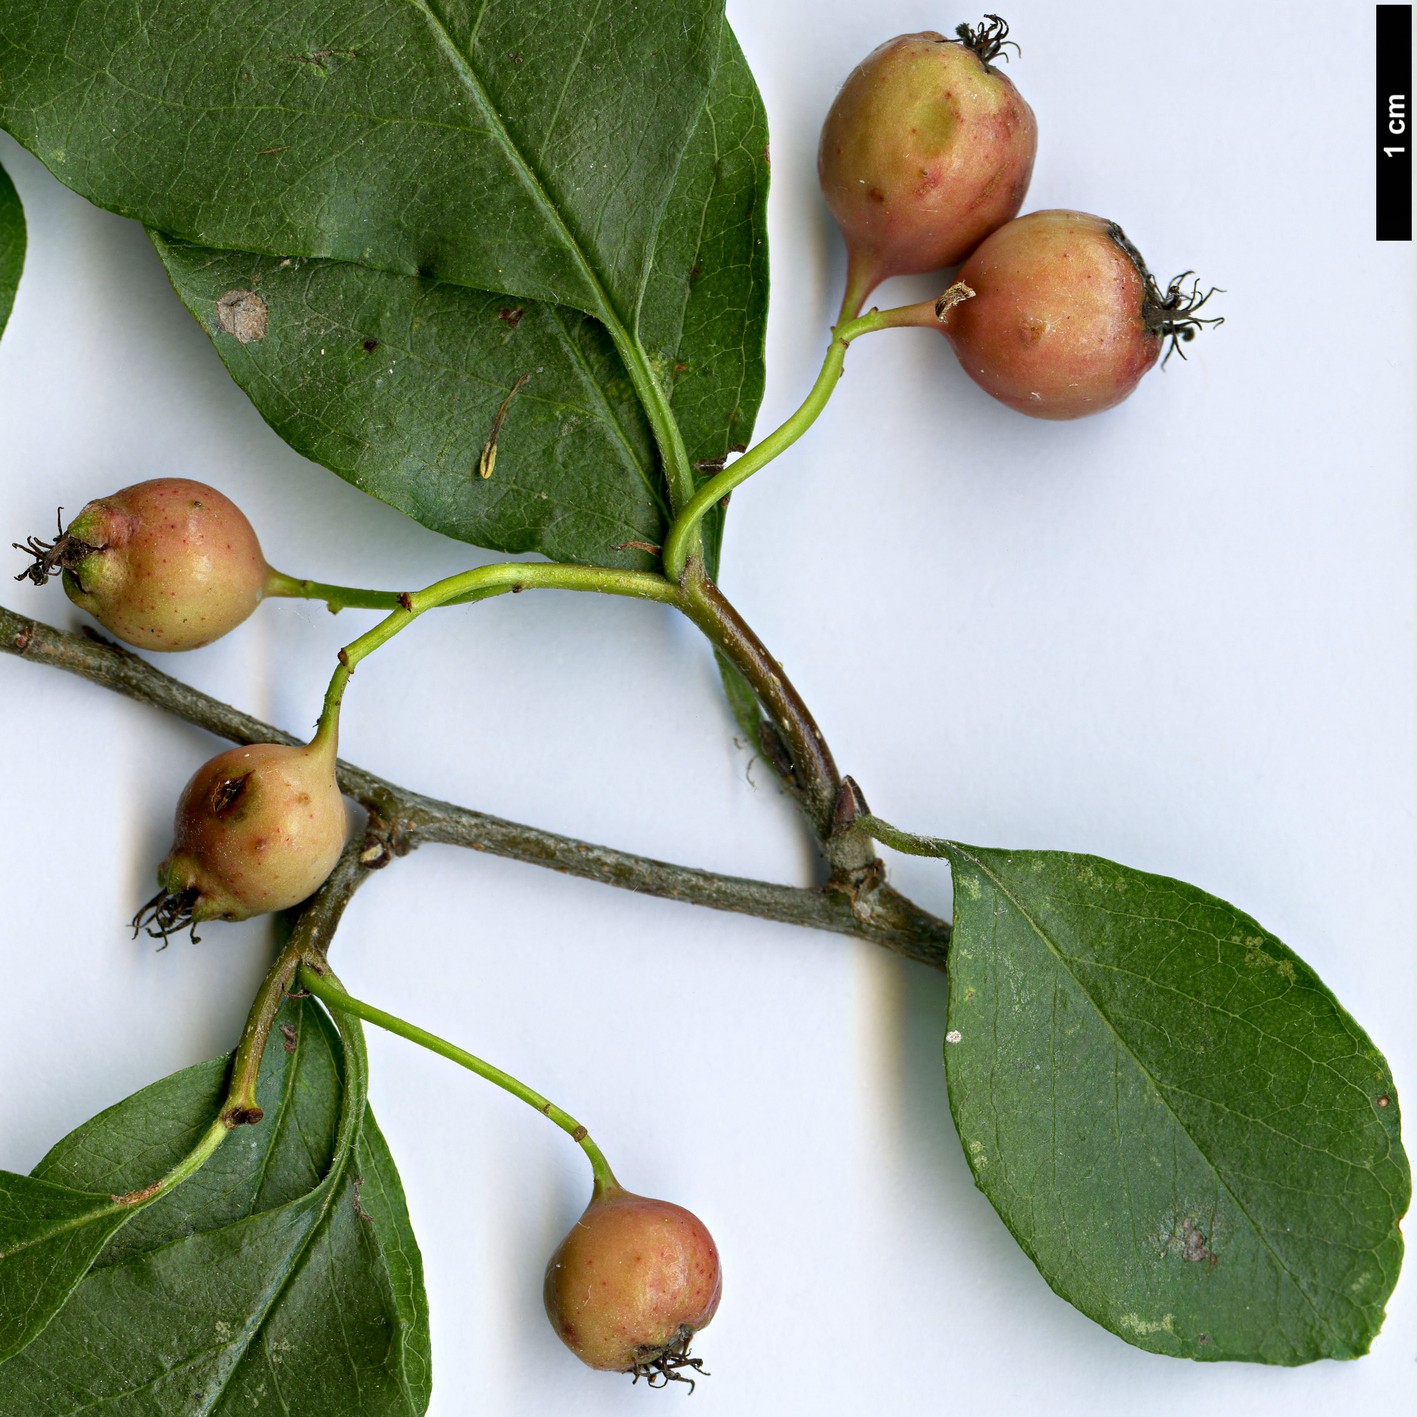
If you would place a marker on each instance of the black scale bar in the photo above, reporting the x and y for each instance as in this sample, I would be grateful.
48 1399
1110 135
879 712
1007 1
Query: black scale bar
1393 112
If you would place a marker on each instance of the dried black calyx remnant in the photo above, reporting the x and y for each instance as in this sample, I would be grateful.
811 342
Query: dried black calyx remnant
987 40
666 1365
51 557
168 913
1173 315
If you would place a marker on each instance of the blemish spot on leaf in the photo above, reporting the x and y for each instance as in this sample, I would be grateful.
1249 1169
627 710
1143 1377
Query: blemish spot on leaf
1259 958
243 314
1193 1246
1134 1323
326 60
953 1036
511 317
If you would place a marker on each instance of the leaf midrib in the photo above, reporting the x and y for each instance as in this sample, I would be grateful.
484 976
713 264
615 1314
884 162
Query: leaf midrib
533 179
615 320
1160 1092
344 1152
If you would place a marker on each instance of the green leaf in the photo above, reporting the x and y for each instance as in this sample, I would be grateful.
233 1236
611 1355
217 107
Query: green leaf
393 383
12 245
49 1236
336 182
1190 1138
530 152
524 148
283 1274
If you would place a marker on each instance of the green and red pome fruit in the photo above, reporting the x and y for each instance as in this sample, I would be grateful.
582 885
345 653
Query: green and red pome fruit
1064 317
926 150
257 829
167 564
632 1284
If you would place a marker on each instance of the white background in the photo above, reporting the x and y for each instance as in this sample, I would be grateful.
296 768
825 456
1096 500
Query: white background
1178 634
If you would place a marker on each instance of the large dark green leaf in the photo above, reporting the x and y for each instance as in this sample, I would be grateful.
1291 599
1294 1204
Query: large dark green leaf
529 147
394 381
1191 1139
580 156
283 1275
12 245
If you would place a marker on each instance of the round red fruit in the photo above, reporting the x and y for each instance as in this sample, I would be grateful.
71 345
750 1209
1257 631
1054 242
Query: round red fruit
257 829
1065 317
168 564
926 150
632 1283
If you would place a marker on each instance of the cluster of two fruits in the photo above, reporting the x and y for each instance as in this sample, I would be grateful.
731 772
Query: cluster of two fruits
172 564
925 158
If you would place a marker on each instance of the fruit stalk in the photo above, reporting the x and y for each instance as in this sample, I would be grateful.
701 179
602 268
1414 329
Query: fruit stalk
316 980
678 541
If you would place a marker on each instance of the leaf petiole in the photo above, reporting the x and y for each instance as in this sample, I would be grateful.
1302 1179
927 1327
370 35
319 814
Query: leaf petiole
325 988
904 841
188 1167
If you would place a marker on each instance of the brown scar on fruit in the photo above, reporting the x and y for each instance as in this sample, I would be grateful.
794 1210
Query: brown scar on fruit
228 793
243 314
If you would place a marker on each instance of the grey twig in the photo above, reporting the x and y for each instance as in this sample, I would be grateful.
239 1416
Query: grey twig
402 819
